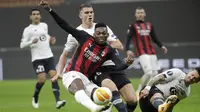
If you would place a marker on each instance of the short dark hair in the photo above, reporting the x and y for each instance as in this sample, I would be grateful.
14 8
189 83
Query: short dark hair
34 9
85 5
139 8
100 25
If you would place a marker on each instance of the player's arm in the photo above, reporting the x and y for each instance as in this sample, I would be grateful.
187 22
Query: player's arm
119 64
130 33
114 41
69 47
155 39
26 41
80 36
164 77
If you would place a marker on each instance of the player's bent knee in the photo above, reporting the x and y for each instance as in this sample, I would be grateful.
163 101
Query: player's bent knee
52 73
75 86
128 94
69 80
156 95
109 84
41 78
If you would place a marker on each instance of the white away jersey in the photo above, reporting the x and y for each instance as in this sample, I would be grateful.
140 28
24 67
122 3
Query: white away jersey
72 43
174 84
41 49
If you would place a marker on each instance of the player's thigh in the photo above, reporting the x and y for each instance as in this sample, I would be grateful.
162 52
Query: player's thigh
41 77
128 93
70 77
154 62
99 77
50 67
145 105
119 78
39 69
145 63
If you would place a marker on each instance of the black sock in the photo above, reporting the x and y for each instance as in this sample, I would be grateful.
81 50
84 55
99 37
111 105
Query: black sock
38 87
117 102
56 90
157 101
131 107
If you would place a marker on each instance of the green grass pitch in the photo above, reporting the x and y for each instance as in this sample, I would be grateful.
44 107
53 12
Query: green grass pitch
16 96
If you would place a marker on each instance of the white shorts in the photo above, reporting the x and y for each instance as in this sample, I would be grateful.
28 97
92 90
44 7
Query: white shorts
70 76
149 62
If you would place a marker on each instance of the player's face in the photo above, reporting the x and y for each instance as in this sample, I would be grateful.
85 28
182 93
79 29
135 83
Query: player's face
35 17
140 14
192 77
101 35
87 15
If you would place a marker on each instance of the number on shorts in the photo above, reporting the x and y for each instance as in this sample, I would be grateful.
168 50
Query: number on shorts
40 68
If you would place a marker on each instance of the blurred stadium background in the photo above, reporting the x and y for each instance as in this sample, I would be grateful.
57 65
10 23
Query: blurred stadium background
176 23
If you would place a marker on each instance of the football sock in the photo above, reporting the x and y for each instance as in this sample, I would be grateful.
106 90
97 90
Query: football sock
157 101
144 80
56 90
131 107
117 102
38 87
82 98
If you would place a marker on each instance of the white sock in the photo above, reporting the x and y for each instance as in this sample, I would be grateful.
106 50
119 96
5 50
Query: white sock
82 98
144 80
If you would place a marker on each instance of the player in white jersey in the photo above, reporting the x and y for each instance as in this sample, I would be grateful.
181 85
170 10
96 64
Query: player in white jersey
166 89
120 82
37 38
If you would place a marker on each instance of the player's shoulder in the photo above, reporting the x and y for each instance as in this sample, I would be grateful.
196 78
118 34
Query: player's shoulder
174 71
43 24
27 28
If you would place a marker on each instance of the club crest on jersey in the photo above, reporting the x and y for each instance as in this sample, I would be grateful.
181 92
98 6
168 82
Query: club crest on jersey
90 55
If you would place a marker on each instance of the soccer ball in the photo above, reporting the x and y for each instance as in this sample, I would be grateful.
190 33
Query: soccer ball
102 96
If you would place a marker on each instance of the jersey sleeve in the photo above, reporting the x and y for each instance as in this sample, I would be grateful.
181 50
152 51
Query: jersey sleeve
172 74
119 64
80 35
112 37
154 37
26 40
130 33
71 44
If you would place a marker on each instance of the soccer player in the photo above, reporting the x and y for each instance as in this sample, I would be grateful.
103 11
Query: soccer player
143 33
92 52
165 90
37 38
120 80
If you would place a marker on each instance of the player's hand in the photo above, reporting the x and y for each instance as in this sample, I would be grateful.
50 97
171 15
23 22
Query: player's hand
129 53
164 49
129 59
56 77
144 93
52 40
35 40
45 5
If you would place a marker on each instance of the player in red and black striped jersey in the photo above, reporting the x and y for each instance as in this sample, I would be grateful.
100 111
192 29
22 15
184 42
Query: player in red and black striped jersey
92 52
143 35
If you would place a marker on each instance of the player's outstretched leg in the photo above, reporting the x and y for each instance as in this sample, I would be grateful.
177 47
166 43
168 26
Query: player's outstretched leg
129 95
116 99
169 102
73 82
38 87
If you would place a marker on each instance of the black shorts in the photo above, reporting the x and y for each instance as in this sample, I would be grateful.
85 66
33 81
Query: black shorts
118 77
44 65
145 104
